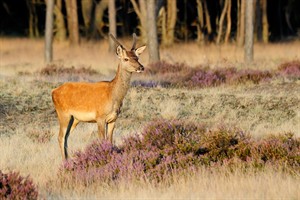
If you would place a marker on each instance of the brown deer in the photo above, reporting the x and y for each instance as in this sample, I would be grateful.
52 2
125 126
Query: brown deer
98 102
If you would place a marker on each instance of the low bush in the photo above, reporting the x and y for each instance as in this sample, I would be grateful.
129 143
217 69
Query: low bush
14 186
290 69
167 147
181 75
55 69
40 136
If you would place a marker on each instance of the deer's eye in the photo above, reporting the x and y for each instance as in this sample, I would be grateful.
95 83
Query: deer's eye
126 59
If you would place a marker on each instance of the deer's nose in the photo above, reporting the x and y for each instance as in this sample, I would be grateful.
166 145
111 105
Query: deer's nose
141 68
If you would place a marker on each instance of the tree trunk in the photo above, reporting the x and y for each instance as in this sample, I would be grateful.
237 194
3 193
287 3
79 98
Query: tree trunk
249 31
33 30
99 23
220 30
112 23
141 12
200 26
73 29
265 24
241 23
168 21
228 30
49 31
171 16
61 32
257 20
207 18
152 32
87 14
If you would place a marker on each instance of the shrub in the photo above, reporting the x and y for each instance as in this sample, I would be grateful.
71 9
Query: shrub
167 147
163 67
149 84
205 78
290 69
249 75
170 74
14 186
54 69
40 136
181 75
283 149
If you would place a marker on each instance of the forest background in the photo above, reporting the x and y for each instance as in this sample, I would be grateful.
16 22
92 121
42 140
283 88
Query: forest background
217 21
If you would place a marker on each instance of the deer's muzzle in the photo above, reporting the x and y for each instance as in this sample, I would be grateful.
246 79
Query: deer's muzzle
141 69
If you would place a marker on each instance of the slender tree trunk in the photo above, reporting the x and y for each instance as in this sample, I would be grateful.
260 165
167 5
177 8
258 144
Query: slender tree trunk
49 31
238 20
33 30
71 6
249 31
257 20
228 30
61 32
170 22
112 23
220 30
200 34
207 18
141 12
152 32
241 24
265 24
169 15
87 14
99 23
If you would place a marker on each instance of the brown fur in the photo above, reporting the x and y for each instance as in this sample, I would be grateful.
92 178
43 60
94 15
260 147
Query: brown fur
95 102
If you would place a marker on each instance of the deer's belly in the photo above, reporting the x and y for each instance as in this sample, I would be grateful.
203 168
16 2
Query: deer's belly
84 116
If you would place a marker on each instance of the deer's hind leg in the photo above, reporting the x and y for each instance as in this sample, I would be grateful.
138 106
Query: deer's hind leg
67 125
110 130
101 129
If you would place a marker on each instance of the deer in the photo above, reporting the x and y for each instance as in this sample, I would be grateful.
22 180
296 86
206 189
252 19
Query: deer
98 102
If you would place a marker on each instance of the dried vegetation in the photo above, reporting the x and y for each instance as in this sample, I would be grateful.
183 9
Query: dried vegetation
211 131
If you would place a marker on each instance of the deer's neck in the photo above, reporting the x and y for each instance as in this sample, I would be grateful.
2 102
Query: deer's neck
120 85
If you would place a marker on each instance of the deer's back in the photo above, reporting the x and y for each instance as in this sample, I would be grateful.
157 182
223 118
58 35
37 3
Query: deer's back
82 96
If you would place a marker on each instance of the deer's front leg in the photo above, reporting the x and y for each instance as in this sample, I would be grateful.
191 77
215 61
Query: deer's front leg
112 117
101 128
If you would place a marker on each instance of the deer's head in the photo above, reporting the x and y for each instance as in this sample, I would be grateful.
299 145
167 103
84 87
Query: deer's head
129 59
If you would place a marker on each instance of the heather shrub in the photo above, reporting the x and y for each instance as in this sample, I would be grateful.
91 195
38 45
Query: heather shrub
223 144
14 186
249 75
290 69
94 163
169 74
163 67
40 136
167 147
181 75
205 78
283 149
159 150
54 69
149 84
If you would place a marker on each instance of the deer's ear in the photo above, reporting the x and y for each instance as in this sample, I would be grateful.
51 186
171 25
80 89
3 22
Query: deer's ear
140 50
119 51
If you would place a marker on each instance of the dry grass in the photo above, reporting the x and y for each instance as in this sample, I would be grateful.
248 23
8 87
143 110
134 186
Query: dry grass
28 125
27 55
